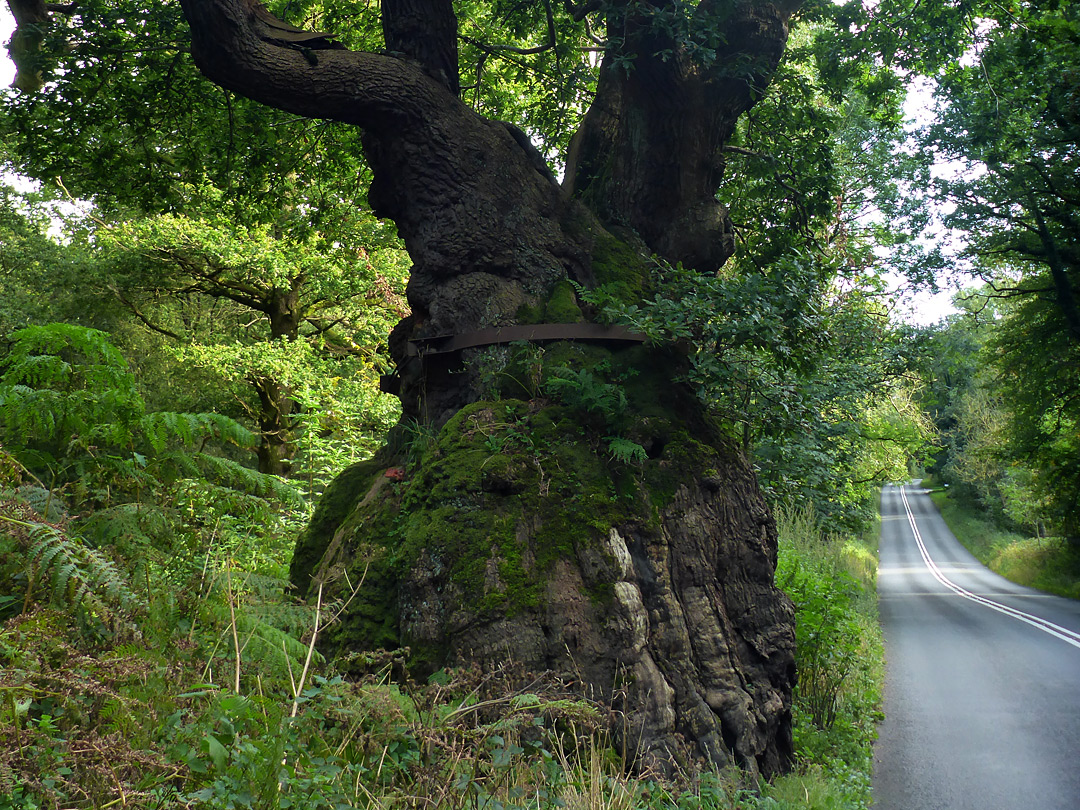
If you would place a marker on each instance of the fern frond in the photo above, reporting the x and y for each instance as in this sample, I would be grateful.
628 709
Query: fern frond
38 371
45 502
31 414
626 451
179 464
163 427
42 354
80 575
129 526
42 553
229 430
269 641
237 476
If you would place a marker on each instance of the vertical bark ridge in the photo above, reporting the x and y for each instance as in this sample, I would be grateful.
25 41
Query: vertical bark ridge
424 30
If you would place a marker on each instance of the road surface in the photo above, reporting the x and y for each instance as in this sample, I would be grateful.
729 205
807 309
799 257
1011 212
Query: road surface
982 685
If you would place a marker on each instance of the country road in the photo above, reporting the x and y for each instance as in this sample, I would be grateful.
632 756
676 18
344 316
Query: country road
982 688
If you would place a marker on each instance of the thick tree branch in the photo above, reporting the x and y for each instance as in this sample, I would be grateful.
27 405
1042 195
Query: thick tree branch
547 46
579 11
31 20
1064 293
234 48
131 307
648 152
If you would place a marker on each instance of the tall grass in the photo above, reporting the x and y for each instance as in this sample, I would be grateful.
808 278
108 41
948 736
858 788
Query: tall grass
832 581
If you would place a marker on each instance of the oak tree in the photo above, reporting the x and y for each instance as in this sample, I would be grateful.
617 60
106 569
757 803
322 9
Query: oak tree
555 497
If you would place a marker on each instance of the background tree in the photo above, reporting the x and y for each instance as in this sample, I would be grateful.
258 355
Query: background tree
261 292
977 399
199 228
1011 119
1006 123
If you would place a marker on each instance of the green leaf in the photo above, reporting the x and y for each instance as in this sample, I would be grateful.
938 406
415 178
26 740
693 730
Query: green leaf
216 751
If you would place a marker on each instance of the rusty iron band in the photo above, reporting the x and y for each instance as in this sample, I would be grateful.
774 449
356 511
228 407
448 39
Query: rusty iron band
584 332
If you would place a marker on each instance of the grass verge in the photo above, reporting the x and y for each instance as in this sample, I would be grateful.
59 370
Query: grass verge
832 580
1049 564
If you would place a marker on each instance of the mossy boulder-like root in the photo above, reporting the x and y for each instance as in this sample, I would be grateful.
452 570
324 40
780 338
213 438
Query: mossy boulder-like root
519 537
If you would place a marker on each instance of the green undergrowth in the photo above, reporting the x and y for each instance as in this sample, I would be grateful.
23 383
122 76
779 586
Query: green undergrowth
1050 564
840 656
142 698
152 654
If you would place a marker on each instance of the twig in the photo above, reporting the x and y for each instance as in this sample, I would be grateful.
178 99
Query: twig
202 577
232 622
298 687
288 665
116 778
310 652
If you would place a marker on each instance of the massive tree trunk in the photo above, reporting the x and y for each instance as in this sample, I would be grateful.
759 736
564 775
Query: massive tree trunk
521 527
648 154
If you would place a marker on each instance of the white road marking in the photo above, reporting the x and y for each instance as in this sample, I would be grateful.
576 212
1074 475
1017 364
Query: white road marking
1063 633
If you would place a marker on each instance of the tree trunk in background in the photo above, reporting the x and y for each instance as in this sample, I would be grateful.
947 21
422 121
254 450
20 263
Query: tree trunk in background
277 407
276 448
519 532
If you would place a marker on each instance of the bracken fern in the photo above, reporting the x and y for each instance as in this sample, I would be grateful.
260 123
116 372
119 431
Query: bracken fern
79 574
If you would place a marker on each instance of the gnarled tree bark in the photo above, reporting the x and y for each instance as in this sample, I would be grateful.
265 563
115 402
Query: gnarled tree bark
663 597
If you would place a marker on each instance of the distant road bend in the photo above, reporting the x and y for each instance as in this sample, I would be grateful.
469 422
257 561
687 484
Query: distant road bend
982 685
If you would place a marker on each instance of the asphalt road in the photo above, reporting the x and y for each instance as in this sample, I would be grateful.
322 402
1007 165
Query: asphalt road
982 685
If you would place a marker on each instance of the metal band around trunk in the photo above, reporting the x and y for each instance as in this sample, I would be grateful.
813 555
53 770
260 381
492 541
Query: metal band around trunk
585 332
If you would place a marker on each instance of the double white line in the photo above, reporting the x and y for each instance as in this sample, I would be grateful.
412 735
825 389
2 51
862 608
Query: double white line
1066 635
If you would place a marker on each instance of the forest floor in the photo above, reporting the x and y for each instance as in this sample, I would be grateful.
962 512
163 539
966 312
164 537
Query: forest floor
156 711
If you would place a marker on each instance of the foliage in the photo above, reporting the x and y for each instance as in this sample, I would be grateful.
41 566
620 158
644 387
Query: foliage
133 544
279 330
78 573
1008 118
1001 452
108 480
831 580
125 119
71 414
212 242
277 314
40 276
1039 390
812 380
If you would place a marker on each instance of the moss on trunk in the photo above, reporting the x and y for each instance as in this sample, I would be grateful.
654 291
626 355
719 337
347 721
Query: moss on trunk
519 534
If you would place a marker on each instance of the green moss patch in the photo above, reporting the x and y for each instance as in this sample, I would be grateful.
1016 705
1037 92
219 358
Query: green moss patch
562 305
504 491
619 269
333 508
